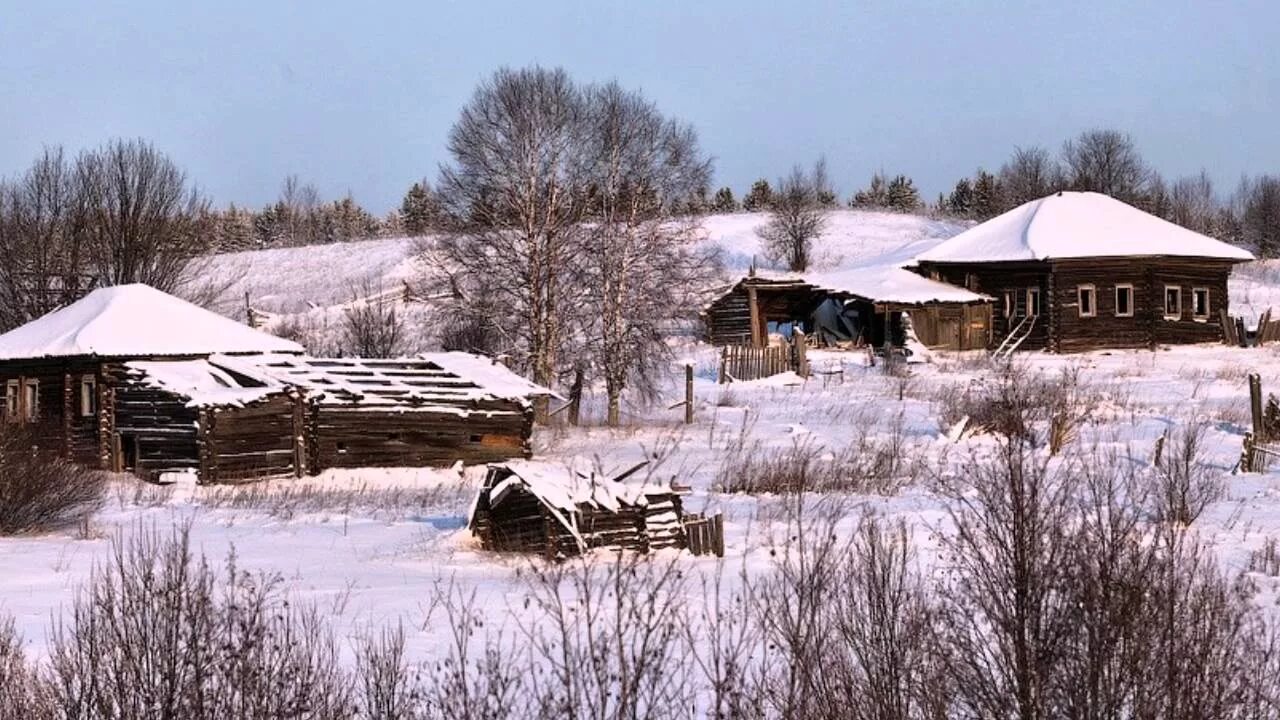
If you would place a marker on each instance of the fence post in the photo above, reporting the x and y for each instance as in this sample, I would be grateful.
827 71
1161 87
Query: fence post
802 363
575 398
688 394
1255 407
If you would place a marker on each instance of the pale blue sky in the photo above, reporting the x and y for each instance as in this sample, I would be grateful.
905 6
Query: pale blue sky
361 98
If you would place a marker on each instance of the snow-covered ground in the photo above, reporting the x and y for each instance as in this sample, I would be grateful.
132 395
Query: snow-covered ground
371 547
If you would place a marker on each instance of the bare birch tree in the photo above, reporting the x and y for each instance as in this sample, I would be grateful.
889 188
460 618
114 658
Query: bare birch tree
1108 162
514 196
42 240
641 267
140 215
1028 175
797 216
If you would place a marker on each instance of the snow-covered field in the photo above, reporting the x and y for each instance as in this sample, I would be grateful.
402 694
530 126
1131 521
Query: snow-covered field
372 548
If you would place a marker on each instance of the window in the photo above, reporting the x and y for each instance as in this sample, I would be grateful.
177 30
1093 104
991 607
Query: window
1010 303
1124 301
1172 302
11 400
88 396
1200 303
1087 300
31 399
1033 301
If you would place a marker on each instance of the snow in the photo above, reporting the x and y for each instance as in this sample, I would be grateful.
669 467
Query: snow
131 321
200 381
492 377
565 487
887 283
1077 225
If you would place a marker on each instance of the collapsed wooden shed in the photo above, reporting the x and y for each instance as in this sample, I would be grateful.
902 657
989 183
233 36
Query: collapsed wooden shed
861 306
562 512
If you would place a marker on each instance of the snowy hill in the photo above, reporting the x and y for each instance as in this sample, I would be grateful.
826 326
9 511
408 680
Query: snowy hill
298 280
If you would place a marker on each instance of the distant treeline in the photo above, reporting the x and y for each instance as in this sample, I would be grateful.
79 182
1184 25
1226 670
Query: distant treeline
1103 160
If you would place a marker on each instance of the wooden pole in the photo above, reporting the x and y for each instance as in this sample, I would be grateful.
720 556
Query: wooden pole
802 363
575 398
688 394
757 339
1255 407
248 311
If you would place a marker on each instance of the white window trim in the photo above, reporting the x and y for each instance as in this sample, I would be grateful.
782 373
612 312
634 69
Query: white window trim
1036 293
1010 303
13 400
88 396
1208 309
1092 290
31 403
1132 295
1165 302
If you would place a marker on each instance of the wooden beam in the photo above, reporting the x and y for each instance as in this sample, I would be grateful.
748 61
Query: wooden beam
753 304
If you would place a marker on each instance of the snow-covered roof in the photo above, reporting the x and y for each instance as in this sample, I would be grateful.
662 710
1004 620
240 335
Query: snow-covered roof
880 283
135 321
1077 225
488 374
566 487
891 284
200 381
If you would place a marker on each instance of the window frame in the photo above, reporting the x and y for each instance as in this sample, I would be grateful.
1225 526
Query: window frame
1208 311
1033 292
30 400
1010 303
1178 290
1132 295
88 396
1092 291
13 400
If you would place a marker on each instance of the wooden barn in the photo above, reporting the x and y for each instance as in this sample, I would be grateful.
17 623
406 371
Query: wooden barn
1078 271
562 512
854 307
132 379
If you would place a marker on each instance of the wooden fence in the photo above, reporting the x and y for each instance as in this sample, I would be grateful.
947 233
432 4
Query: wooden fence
747 362
705 534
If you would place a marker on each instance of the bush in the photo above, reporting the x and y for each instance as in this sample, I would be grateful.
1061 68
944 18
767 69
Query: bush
159 633
39 493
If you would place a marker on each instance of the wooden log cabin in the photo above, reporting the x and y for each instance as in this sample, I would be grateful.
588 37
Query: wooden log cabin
1079 271
862 306
563 512
131 379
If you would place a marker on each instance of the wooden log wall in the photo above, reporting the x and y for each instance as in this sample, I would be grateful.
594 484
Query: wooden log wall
995 279
60 429
249 443
351 436
728 320
1148 326
158 424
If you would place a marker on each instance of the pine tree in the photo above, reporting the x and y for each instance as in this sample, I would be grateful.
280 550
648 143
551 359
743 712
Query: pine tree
235 231
960 201
827 198
724 201
902 195
875 196
419 212
986 196
759 198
